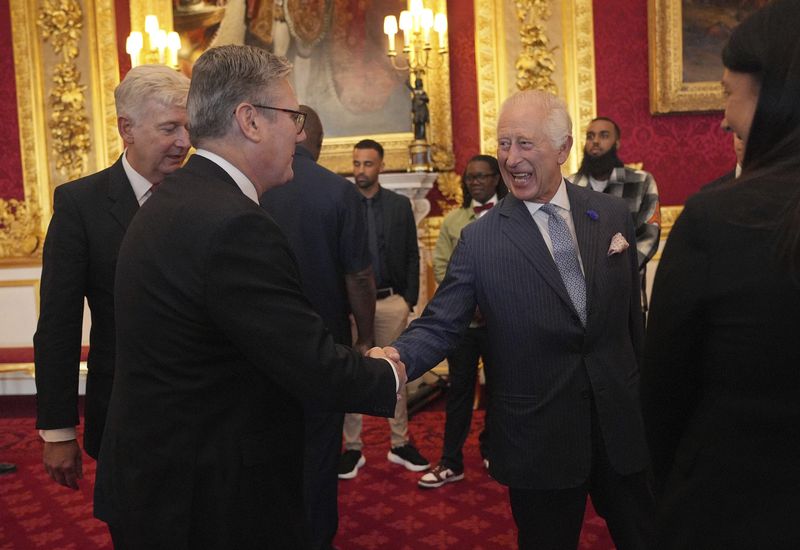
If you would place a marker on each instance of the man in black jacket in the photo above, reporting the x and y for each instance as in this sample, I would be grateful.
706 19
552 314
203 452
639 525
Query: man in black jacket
324 219
90 217
393 249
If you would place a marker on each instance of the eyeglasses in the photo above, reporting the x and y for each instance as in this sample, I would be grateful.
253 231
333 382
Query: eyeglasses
482 178
298 118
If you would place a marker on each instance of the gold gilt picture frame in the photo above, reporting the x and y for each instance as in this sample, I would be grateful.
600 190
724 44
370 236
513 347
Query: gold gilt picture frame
686 39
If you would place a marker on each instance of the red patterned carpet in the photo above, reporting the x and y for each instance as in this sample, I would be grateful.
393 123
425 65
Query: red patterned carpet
382 508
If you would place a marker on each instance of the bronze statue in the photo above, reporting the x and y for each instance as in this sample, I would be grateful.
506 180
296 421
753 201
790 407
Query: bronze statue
419 109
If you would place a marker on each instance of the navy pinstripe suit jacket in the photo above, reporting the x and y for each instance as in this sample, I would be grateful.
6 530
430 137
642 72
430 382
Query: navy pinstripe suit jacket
547 369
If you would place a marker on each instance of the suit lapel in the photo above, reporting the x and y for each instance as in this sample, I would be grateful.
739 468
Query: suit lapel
587 231
522 231
123 200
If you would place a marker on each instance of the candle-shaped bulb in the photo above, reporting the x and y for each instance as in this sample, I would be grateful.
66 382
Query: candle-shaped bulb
440 26
406 24
390 28
133 46
426 22
173 47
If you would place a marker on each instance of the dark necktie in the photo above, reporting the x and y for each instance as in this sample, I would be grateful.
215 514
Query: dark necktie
480 208
372 240
566 258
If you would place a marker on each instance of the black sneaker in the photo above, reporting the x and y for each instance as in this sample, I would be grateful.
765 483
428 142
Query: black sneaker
408 456
349 463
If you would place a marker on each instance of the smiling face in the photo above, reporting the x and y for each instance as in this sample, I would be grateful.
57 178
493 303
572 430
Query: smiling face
157 140
481 180
741 97
530 165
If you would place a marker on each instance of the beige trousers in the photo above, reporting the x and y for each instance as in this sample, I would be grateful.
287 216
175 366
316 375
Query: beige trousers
391 318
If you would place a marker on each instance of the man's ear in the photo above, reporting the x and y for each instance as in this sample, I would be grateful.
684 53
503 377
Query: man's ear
125 128
563 152
245 117
617 144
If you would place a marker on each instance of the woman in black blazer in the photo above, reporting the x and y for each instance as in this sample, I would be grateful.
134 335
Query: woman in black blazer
721 378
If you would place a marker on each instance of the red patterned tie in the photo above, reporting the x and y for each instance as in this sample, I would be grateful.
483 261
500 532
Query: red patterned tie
481 208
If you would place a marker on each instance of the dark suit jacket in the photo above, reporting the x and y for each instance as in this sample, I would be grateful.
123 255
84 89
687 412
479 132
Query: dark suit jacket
721 377
546 365
218 350
400 241
90 216
323 217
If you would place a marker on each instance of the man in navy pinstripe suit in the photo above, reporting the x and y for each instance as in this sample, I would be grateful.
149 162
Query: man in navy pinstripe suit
553 269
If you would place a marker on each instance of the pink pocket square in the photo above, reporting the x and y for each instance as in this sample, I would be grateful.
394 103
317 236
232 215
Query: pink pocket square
618 244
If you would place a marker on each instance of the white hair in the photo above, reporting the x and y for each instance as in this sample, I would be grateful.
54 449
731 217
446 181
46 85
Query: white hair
557 122
150 82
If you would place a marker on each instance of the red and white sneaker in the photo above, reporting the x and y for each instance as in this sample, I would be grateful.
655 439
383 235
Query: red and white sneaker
438 476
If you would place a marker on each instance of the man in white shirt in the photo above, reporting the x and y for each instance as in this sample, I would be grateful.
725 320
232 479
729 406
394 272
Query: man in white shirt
90 216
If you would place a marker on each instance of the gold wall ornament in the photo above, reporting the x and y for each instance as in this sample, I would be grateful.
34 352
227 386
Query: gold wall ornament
25 221
496 75
535 63
449 184
19 228
61 22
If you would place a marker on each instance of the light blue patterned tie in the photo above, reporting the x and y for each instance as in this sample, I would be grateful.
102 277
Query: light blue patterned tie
566 258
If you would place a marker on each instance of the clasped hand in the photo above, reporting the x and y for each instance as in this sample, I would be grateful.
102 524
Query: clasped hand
392 355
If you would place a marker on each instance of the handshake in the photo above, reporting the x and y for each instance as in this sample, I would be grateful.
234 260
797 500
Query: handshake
394 357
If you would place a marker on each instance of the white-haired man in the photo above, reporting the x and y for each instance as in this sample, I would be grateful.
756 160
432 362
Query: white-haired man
554 272
90 216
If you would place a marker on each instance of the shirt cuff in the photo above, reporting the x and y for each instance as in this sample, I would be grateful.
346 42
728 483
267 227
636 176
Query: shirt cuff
396 378
62 434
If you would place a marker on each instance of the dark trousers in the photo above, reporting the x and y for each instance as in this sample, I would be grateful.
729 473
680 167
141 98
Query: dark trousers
463 369
552 519
323 441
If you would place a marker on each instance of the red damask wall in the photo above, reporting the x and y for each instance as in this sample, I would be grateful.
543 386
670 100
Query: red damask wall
10 160
682 151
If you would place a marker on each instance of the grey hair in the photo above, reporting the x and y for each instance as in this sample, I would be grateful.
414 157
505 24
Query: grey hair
150 82
557 122
222 78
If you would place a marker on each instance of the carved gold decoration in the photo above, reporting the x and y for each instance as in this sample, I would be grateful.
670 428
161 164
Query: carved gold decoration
668 92
61 22
19 228
428 231
579 91
669 214
449 184
494 84
24 221
535 63
101 32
